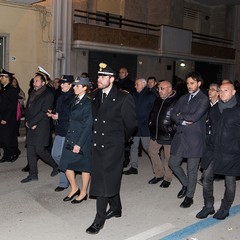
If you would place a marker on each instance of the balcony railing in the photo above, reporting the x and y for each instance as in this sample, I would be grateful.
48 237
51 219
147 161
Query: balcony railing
89 26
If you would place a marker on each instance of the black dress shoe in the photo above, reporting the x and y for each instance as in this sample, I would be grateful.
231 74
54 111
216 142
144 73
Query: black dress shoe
155 180
182 192
54 172
67 198
110 213
165 184
26 169
60 189
130 171
221 214
187 202
3 159
94 228
205 212
29 179
75 201
13 158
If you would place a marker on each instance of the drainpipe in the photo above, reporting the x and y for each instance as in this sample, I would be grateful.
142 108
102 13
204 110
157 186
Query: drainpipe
66 36
57 9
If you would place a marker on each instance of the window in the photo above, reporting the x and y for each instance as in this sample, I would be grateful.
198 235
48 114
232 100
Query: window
2 52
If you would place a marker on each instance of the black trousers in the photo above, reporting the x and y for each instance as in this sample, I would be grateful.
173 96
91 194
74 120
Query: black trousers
9 152
102 203
229 193
35 152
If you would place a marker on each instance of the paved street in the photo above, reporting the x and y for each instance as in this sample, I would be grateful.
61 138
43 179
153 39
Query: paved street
33 211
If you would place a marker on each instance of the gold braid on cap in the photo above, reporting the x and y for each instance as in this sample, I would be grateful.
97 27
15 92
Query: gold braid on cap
102 66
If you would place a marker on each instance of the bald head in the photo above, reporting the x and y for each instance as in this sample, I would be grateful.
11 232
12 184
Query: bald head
227 91
123 72
226 81
164 89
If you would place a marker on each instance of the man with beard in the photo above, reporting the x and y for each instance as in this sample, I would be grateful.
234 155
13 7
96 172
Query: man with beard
38 126
190 115
114 121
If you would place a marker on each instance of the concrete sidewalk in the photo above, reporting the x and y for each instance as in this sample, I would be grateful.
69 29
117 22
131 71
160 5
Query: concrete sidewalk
33 211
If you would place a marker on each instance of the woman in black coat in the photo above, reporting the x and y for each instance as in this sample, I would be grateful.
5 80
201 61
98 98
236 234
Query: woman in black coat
76 153
61 121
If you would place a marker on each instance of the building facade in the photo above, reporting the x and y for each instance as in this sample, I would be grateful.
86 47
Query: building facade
162 38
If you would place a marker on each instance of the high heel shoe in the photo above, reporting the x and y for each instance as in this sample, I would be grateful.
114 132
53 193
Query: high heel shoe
75 201
67 198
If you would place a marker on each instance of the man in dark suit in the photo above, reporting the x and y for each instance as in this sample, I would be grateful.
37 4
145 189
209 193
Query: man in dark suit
38 126
8 122
190 114
114 121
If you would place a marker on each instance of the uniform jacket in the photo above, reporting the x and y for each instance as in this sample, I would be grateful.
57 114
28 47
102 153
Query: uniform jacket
113 122
8 111
144 103
63 109
79 133
226 137
162 127
35 114
190 137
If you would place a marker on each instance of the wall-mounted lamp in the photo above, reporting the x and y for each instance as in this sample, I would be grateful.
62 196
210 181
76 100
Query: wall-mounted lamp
182 64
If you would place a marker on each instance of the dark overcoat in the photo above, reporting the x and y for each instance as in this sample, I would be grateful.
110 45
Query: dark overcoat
79 133
227 141
190 137
35 114
144 102
114 121
8 111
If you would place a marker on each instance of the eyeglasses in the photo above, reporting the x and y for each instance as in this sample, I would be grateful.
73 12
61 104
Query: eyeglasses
212 89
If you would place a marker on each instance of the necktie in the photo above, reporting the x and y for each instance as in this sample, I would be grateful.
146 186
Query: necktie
190 98
104 95
77 100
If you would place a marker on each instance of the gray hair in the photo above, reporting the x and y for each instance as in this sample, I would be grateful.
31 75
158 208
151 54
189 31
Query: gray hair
215 85
143 80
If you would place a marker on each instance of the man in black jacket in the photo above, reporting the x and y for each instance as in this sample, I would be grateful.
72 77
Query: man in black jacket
38 126
162 130
124 82
222 152
8 122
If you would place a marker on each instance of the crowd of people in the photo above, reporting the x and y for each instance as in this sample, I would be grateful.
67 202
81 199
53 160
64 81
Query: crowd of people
98 134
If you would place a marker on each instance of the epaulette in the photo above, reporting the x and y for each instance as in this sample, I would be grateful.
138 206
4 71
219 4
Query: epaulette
89 96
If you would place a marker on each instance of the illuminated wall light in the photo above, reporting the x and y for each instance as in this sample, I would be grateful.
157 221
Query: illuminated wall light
182 64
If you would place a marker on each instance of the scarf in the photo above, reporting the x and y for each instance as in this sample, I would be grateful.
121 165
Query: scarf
229 104
35 93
